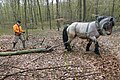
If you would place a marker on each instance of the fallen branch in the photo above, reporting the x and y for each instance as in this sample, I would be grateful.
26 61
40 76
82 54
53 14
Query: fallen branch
25 51
48 49
78 76
28 70
41 43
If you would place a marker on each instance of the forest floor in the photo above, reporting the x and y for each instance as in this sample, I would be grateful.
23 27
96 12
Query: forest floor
59 64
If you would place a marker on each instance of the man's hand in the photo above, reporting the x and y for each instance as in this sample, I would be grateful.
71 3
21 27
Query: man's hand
23 32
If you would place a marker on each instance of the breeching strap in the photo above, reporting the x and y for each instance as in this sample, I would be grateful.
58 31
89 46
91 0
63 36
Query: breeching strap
87 28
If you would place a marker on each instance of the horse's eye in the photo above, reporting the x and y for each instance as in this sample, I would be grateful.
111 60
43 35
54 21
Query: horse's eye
105 26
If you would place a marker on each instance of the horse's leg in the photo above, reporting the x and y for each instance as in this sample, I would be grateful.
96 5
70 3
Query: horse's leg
71 36
96 45
97 48
88 45
68 47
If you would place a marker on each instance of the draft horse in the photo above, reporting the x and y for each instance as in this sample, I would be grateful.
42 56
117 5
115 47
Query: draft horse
88 30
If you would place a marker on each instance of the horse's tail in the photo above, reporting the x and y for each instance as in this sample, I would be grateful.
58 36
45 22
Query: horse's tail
65 35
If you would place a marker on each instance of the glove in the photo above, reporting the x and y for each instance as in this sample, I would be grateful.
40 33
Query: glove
23 32
17 34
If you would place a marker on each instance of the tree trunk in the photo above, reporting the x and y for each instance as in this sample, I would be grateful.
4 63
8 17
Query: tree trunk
31 13
80 9
40 14
34 11
113 5
84 10
96 10
13 10
26 52
48 13
57 14
52 16
25 5
70 9
18 10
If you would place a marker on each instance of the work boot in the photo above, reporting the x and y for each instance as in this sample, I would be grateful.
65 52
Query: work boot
13 46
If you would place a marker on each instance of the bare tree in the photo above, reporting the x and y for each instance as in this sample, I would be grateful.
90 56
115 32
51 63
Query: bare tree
40 14
57 14
70 9
48 13
84 10
25 6
113 5
34 11
18 9
13 9
31 13
52 16
96 10
80 9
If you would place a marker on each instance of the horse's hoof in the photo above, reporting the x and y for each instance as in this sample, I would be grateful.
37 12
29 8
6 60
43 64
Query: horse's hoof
65 50
87 50
69 50
97 53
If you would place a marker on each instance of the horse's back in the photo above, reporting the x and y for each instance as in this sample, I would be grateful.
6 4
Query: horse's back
71 28
77 28
77 25
83 29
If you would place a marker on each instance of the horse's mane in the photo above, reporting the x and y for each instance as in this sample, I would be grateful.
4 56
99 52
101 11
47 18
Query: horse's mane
99 18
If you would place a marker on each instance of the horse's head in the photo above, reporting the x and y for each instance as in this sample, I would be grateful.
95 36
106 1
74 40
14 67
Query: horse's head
107 24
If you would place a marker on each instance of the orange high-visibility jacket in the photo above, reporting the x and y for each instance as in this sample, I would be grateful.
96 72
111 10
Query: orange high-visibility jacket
17 29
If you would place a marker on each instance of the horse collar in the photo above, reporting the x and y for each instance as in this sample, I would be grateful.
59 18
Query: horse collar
98 27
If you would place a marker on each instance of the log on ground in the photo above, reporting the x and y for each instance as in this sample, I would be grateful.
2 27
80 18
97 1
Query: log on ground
10 53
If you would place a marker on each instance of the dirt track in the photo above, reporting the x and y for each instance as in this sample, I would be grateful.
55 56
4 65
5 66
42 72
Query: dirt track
61 65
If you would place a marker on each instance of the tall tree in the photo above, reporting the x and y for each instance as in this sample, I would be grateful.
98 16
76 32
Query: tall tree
35 12
80 10
113 5
84 10
30 5
70 9
18 9
40 14
25 9
13 9
52 16
48 13
57 14
96 10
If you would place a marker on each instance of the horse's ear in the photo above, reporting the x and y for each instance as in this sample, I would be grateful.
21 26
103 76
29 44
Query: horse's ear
111 19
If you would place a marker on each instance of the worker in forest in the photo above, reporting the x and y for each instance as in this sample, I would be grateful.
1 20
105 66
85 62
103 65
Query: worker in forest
19 34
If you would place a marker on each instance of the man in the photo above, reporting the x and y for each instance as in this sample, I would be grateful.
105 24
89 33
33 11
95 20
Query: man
18 34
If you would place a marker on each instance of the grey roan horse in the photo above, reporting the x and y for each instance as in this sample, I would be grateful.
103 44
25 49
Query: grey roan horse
88 30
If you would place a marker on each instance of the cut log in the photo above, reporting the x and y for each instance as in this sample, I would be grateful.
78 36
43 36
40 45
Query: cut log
10 53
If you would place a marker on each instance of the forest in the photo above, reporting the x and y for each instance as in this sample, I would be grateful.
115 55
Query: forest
44 13
44 56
